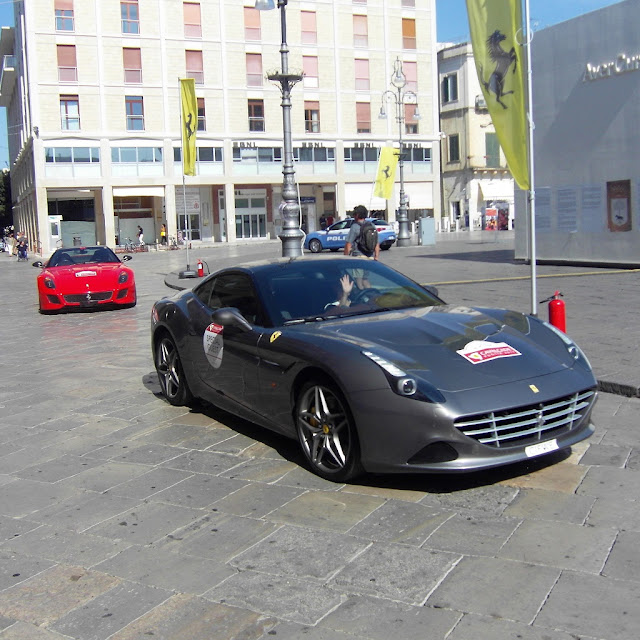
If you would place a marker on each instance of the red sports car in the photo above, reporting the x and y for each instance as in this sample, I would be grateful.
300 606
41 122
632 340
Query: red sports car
82 277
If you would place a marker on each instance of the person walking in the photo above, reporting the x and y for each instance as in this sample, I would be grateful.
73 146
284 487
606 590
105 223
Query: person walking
163 234
362 239
140 236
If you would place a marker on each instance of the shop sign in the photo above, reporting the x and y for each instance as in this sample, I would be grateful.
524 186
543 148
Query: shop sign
622 64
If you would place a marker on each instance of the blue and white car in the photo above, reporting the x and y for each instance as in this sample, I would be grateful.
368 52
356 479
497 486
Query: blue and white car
335 236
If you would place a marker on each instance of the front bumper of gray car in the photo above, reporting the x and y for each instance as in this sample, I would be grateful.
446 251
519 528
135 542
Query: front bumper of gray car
475 429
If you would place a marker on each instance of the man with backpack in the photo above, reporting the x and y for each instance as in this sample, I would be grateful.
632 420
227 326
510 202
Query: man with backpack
363 236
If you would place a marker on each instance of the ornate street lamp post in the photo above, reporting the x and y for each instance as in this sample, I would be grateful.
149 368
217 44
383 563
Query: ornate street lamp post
399 96
291 235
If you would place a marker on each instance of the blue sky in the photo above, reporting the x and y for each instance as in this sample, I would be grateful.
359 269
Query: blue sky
453 25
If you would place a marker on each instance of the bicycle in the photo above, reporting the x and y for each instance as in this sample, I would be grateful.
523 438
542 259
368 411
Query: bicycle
173 244
134 247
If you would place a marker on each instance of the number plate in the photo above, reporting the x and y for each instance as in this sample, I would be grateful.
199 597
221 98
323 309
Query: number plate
543 447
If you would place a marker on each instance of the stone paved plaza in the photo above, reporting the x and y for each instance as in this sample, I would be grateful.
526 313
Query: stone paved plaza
124 518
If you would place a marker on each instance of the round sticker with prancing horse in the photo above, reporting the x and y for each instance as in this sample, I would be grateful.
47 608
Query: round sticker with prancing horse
213 344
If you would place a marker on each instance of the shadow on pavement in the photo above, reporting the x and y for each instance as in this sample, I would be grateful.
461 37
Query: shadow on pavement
497 256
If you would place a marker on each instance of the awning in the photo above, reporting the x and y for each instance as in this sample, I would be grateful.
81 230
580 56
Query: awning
497 191
420 194
123 192
358 193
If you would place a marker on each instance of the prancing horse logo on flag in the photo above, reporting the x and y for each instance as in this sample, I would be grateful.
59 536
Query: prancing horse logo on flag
503 60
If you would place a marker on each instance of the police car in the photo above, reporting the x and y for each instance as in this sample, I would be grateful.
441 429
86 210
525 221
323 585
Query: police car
335 236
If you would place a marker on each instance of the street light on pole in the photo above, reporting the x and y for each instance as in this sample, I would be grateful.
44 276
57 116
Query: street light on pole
291 235
399 96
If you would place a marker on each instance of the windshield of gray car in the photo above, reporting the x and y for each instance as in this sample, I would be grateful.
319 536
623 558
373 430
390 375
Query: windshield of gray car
315 290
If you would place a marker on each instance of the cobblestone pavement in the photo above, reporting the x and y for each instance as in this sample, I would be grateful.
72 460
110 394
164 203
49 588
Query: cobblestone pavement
122 517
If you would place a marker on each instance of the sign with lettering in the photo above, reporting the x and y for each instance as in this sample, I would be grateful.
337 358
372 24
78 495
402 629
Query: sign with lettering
622 64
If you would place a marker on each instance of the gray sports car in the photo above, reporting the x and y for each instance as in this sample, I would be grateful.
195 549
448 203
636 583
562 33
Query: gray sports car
371 371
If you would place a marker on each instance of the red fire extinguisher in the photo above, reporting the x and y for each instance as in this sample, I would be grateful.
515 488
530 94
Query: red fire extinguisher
557 315
200 268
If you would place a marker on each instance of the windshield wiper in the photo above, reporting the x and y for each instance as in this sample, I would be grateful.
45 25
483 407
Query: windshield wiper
304 320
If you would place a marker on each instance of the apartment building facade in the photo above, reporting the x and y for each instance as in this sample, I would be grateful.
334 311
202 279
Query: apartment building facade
477 186
91 89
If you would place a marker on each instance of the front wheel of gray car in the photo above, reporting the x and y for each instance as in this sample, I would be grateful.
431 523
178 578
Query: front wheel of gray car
170 373
327 433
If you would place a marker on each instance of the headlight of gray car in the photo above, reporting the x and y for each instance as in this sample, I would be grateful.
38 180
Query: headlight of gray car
574 350
403 383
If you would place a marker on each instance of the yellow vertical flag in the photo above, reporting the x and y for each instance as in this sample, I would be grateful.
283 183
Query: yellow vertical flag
386 172
189 110
499 57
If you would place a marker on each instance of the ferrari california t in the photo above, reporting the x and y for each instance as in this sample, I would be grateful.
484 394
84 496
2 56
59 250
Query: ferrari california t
82 277
371 371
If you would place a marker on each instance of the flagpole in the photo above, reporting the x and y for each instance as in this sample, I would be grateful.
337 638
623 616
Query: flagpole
532 189
184 187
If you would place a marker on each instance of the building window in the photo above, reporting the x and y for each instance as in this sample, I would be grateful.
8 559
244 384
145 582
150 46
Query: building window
195 67
72 154
134 107
409 4
360 31
136 154
359 1
410 120
314 154
363 117
311 116
132 63
252 30
202 118
69 113
310 70
255 155
362 75
67 65
192 20
420 160
130 16
309 33
360 154
450 88
64 15
410 70
492 148
454 147
408 33
254 69
203 154
256 115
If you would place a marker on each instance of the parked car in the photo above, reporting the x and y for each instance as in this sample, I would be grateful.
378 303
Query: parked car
391 380
335 236
81 277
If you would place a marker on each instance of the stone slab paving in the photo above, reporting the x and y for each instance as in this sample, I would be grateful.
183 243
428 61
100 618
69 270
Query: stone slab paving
124 518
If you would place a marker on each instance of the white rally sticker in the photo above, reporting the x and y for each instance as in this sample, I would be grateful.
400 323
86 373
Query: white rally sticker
213 344
543 447
480 351
85 274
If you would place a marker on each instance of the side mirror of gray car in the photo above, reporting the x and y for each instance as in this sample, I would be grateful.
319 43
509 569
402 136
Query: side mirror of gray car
230 317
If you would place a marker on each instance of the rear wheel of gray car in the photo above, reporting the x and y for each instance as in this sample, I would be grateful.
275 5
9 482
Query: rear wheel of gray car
327 433
170 373
315 246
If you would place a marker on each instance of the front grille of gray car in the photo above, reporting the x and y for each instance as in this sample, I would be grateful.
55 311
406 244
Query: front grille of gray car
525 425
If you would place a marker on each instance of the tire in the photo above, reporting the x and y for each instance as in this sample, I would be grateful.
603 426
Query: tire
170 373
315 246
327 433
385 247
